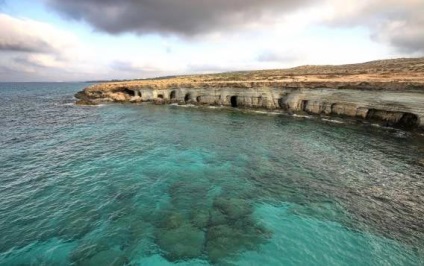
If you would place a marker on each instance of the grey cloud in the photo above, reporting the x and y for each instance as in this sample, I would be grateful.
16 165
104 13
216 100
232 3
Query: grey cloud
17 35
9 75
24 44
25 60
4 70
406 35
398 23
34 50
16 69
181 17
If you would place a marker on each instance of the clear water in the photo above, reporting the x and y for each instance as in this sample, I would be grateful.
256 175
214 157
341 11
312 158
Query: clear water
164 185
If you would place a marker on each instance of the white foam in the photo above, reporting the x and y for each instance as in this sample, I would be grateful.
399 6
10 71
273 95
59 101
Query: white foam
302 116
332 121
267 113
186 105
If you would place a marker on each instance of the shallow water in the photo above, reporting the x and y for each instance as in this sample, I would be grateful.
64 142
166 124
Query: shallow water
164 185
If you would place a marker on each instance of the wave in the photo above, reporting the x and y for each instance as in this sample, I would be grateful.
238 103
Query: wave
303 116
332 121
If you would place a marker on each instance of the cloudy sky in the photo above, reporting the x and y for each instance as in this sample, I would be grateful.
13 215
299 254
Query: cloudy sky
63 40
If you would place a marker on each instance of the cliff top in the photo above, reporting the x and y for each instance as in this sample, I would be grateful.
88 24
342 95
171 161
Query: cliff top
392 74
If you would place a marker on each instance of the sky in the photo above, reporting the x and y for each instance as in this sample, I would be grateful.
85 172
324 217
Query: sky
79 40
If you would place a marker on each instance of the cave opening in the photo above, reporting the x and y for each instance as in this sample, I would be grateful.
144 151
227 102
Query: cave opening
282 104
198 99
187 97
403 120
129 92
260 101
409 121
303 105
160 96
173 95
233 101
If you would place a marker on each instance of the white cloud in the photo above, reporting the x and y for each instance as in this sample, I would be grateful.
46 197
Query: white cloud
25 35
398 23
33 50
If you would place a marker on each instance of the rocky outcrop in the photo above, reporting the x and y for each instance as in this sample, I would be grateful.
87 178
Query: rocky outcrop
83 99
402 109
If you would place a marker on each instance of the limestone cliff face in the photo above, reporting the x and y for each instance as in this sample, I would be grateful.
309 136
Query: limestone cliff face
390 92
391 108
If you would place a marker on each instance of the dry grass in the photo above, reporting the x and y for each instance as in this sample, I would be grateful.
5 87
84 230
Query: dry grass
408 71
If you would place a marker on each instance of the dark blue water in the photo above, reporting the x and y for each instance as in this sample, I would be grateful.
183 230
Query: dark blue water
163 185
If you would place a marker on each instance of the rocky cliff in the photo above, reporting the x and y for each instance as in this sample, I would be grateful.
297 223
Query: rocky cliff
390 92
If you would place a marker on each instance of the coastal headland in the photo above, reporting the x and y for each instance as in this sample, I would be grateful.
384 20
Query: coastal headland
388 92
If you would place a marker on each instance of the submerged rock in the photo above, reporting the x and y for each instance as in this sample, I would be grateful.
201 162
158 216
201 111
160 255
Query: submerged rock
183 192
233 208
107 258
200 219
232 229
76 228
184 242
217 218
174 220
178 238
228 240
86 250
140 230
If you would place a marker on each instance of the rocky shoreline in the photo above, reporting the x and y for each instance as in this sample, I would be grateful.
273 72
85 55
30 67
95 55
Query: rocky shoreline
390 108
391 96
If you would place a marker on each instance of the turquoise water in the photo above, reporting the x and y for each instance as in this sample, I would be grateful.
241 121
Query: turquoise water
164 185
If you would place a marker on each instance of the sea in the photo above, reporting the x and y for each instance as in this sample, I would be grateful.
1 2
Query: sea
141 184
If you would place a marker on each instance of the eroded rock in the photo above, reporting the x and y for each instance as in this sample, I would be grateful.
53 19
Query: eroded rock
85 102
385 103
83 99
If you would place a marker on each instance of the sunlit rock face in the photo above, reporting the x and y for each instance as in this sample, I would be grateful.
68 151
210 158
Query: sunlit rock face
390 108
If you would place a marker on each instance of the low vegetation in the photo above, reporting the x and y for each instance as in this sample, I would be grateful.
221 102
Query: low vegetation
404 73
